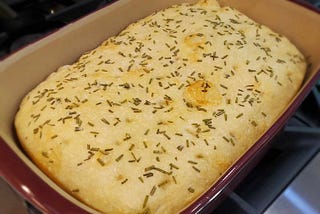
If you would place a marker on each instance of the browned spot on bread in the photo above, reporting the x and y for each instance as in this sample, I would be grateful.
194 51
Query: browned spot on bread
128 120
119 177
200 156
223 164
194 40
202 93
195 43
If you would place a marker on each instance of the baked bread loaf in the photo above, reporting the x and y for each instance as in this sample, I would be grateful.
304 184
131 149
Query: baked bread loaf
151 118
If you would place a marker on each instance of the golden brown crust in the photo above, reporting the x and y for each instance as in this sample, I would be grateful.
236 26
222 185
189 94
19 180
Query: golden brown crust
152 117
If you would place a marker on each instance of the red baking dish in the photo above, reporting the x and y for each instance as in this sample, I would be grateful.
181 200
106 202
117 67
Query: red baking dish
21 71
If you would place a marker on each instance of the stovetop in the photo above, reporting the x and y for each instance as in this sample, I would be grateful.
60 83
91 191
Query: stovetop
285 181
24 21
278 184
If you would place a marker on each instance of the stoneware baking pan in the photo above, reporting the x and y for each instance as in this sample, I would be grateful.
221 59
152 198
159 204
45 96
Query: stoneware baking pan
23 70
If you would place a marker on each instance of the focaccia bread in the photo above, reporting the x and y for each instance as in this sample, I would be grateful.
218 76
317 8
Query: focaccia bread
151 118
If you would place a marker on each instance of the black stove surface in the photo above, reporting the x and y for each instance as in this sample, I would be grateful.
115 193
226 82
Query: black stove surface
23 21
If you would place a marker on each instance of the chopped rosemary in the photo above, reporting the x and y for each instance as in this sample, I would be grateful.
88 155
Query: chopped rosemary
191 190
100 161
124 181
145 201
119 158
153 190
196 169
